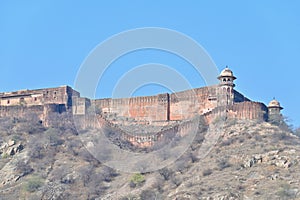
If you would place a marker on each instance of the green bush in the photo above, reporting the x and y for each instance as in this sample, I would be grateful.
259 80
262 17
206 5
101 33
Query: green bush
137 180
33 184
5 155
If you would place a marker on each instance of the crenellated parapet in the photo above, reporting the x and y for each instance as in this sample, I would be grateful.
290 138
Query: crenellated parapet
207 101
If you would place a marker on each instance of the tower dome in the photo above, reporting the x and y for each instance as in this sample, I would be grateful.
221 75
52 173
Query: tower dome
274 104
226 73
226 77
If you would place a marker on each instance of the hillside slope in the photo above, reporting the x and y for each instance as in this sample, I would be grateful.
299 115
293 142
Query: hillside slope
251 160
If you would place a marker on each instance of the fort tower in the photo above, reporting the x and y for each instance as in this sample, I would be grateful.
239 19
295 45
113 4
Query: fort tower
226 92
274 109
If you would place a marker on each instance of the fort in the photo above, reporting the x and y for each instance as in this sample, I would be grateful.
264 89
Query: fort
159 109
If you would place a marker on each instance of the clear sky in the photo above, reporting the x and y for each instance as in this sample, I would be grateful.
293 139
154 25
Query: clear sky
43 43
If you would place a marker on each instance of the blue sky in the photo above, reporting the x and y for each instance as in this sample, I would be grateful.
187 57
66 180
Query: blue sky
44 43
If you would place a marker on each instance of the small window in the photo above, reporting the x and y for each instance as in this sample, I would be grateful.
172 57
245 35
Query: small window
8 102
35 99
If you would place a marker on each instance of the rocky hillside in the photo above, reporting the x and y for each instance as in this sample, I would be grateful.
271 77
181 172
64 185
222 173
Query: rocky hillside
250 160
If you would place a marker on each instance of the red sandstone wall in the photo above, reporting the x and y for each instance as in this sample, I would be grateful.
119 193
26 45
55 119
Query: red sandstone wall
248 110
151 108
187 104
243 110
59 95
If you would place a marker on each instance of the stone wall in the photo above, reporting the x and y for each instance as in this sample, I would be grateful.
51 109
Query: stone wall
249 110
80 105
242 110
59 95
150 108
22 111
186 104
208 101
163 107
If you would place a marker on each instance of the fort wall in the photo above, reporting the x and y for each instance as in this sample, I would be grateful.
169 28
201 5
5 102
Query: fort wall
186 104
59 95
241 110
248 110
159 108
21 111
62 105
149 108
210 102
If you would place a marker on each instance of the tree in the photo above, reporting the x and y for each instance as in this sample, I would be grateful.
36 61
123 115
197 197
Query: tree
297 132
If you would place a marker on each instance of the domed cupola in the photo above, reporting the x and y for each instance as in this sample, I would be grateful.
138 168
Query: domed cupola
275 104
274 115
226 77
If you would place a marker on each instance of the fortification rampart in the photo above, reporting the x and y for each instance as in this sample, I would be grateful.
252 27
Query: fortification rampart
208 101
22 111
149 109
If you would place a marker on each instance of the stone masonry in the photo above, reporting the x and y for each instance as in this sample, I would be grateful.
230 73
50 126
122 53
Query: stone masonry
205 101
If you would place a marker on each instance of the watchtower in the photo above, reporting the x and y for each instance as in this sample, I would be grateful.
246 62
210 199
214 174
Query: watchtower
274 109
226 93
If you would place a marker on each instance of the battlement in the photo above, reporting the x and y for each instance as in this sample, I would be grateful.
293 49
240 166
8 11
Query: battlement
207 101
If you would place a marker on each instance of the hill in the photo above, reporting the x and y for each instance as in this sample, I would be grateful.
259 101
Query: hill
250 160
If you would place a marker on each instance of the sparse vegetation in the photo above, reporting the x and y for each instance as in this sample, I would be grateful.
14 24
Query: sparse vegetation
223 163
207 172
5 155
286 192
23 168
137 180
166 173
33 184
148 194
55 162
297 132
228 142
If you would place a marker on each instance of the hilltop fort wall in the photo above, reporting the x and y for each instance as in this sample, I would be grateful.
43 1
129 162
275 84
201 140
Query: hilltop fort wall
149 108
163 107
206 101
